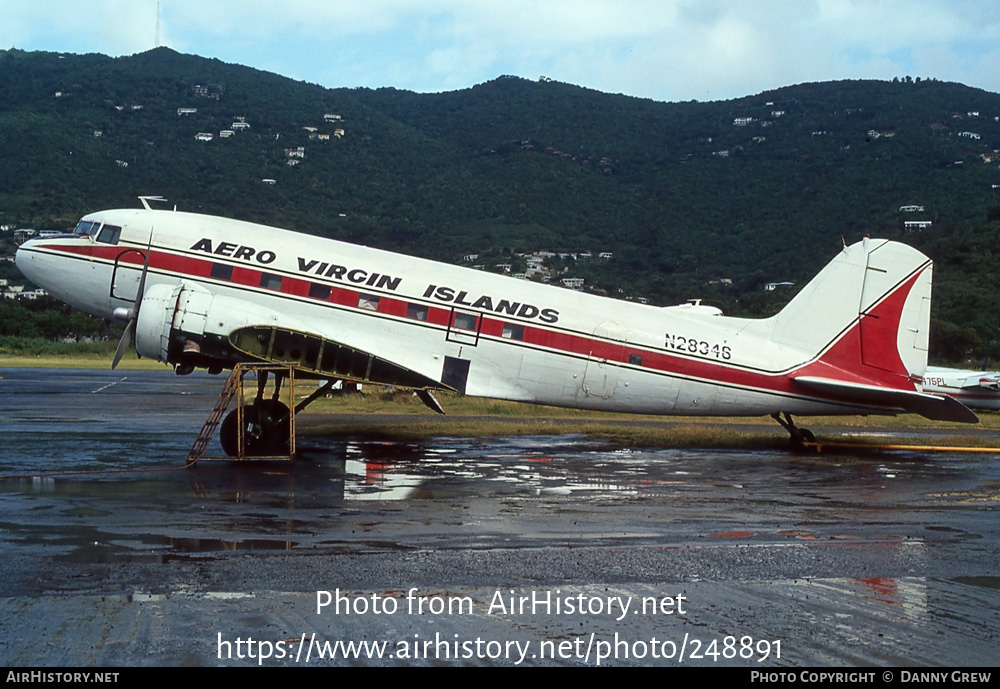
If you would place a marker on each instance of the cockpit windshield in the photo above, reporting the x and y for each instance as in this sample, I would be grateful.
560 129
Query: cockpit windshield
107 234
87 227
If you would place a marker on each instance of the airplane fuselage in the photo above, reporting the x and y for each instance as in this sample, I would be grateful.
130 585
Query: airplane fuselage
445 326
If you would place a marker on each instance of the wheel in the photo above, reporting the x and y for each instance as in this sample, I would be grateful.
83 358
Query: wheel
800 436
265 429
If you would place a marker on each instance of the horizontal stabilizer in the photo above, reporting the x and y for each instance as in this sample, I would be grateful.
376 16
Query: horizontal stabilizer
937 407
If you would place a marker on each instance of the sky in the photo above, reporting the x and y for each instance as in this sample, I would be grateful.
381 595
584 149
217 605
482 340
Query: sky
665 50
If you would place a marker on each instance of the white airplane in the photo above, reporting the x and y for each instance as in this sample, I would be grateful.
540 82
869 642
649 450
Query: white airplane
204 291
974 389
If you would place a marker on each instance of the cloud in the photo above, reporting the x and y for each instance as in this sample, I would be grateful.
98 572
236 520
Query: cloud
662 49
112 28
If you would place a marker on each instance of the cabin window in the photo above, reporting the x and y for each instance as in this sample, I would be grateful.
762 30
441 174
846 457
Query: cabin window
635 359
221 271
512 331
417 312
465 321
368 302
318 291
109 234
270 281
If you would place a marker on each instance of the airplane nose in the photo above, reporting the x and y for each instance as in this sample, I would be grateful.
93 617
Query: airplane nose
19 257
24 259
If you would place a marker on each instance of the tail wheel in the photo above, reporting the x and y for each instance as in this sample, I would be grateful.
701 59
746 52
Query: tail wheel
265 429
799 437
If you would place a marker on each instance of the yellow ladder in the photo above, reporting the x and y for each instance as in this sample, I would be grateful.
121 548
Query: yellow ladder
225 397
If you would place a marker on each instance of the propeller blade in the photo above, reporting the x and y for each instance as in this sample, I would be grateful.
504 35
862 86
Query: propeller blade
141 289
123 343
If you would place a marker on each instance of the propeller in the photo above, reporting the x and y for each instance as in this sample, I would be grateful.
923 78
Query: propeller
132 314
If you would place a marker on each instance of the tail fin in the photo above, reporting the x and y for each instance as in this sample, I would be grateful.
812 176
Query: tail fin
864 320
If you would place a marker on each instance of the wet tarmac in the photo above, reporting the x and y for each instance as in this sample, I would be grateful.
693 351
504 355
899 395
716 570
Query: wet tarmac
527 550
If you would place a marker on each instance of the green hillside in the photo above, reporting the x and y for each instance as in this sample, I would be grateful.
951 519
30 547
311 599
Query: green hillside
755 190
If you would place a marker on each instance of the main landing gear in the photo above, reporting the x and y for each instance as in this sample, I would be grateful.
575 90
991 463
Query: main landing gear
798 437
264 424
263 428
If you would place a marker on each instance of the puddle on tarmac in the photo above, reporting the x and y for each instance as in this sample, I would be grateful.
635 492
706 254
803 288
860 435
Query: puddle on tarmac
127 436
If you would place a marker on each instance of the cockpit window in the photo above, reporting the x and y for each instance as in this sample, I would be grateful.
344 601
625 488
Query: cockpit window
87 227
109 234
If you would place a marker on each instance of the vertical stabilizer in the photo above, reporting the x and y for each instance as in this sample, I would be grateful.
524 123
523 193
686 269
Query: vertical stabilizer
865 317
862 325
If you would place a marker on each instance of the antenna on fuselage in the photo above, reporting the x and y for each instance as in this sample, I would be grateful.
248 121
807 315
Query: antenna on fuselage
146 199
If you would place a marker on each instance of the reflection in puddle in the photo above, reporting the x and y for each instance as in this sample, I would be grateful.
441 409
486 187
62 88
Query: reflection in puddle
906 596
524 465
206 545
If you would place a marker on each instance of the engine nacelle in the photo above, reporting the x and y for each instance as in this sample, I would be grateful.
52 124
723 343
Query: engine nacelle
186 322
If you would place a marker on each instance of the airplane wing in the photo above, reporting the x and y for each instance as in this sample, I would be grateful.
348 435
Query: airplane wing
989 382
313 353
234 330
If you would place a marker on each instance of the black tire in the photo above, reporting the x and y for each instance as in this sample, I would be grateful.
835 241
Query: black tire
265 431
800 436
